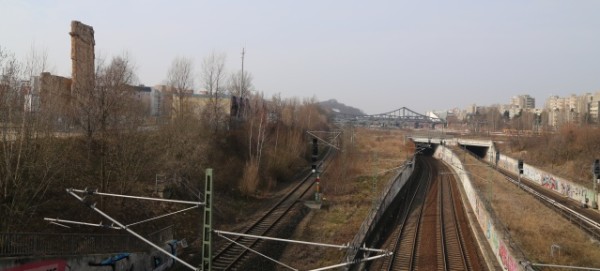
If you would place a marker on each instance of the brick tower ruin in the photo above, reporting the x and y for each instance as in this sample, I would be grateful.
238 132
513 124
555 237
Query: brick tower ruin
82 56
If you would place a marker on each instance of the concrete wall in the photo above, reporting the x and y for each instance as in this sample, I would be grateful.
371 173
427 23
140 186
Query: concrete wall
386 198
141 261
549 181
488 224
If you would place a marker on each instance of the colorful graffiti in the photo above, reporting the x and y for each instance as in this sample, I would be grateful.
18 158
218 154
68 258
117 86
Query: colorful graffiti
532 174
51 265
120 260
508 261
162 262
549 182
566 189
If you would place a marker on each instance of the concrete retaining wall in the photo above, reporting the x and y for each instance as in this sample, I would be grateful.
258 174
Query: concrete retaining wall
505 255
550 181
142 261
385 199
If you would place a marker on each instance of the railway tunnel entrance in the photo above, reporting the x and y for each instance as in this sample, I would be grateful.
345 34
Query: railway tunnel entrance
425 149
479 151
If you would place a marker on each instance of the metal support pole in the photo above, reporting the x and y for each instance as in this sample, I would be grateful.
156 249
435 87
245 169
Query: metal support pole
595 192
596 174
491 196
318 189
207 228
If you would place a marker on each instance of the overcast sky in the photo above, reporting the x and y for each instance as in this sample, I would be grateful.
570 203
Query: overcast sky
374 55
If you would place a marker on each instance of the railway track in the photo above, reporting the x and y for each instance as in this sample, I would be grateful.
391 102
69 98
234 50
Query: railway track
585 218
454 253
432 231
233 255
405 235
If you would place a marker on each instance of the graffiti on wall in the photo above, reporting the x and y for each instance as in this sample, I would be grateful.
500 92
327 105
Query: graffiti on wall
549 182
116 262
508 261
51 265
573 191
565 189
533 174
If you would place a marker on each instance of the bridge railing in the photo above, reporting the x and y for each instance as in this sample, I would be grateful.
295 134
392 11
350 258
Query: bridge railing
40 244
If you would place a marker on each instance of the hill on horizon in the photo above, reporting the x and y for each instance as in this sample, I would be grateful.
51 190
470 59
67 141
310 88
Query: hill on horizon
334 107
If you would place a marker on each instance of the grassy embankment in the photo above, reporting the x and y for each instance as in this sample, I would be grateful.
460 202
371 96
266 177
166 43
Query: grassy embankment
349 187
532 225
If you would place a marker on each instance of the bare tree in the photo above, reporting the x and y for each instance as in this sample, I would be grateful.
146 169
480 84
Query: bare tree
29 163
213 73
37 61
256 127
10 69
114 93
239 85
181 81
113 102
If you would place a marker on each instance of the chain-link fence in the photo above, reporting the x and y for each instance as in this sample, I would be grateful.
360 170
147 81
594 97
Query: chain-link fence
39 244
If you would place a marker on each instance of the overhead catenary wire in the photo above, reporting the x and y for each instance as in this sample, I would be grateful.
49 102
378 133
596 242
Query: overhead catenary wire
57 221
161 216
385 253
94 192
248 248
354 262
93 207
299 242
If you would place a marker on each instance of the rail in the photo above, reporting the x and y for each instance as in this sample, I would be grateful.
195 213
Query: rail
404 258
589 225
593 227
232 254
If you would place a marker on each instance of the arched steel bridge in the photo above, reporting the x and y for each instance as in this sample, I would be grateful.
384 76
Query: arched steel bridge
402 117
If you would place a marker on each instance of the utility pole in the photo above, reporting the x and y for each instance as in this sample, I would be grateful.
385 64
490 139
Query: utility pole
241 85
242 76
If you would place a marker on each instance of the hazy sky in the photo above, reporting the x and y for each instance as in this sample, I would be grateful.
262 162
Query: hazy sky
374 55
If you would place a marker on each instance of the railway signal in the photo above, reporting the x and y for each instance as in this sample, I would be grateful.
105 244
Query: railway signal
318 188
520 166
315 154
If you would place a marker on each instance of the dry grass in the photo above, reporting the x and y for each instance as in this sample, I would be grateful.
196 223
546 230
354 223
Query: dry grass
532 225
349 188
569 152
249 182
